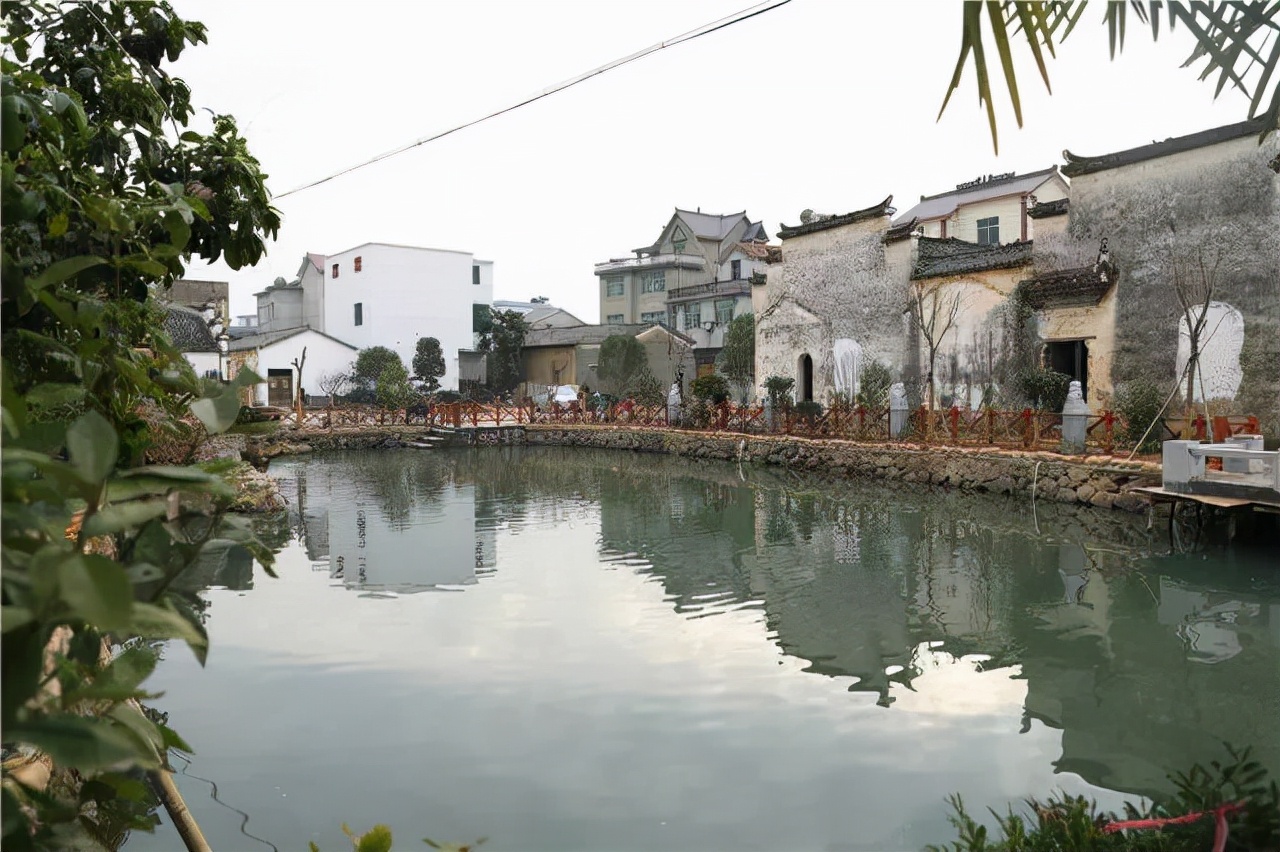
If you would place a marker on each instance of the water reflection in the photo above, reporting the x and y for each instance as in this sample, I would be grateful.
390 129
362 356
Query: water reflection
1142 662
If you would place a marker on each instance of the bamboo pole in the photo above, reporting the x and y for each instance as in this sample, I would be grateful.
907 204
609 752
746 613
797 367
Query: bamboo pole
162 782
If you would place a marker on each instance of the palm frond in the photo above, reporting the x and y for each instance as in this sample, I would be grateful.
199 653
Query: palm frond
1237 40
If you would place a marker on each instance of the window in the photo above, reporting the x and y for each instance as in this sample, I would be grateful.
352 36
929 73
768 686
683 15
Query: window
693 316
724 311
613 319
359 313
613 286
989 231
654 282
357 263
736 267
653 316
475 275
335 270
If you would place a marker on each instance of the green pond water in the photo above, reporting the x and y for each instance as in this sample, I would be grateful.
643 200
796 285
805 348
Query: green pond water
565 649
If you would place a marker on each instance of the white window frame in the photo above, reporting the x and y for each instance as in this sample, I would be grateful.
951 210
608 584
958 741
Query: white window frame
614 319
654 281
612 282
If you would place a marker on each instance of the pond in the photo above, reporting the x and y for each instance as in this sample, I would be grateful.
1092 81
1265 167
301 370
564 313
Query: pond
568 649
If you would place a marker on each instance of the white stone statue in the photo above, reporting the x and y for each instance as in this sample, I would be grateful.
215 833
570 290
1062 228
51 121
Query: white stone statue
897 395
1075 393
847 355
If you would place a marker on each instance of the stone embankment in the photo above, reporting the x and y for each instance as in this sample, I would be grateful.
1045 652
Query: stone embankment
1100 481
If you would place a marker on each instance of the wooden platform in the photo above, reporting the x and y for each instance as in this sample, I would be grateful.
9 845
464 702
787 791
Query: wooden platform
1158 494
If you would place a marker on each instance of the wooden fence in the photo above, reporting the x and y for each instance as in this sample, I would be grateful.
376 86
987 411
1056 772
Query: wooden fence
1025 429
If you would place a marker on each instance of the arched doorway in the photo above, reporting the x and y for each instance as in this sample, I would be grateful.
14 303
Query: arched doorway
804 383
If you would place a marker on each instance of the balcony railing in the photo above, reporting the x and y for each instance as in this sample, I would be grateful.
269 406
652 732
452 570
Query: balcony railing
711 289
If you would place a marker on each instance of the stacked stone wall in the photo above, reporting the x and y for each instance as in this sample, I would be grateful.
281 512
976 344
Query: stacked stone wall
1098 481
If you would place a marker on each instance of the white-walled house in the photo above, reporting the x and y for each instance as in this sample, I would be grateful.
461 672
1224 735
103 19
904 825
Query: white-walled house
991 210
380 294
271 355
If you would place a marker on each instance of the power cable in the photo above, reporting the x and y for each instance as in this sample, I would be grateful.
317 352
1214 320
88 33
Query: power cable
705 29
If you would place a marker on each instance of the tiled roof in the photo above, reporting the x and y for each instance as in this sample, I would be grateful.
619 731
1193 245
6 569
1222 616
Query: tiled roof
195 293
188 330
709 225
1077 165
1083 286
317 260
944 204
758 251
266 338
900 232
786 232
1046 209
949 256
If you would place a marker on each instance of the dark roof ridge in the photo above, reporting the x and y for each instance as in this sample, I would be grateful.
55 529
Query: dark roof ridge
1082 165
1008 179
1046 209
875 211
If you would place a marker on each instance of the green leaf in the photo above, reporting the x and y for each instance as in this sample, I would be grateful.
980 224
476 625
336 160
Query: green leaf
55 395
97 589
58 225
172 740
162 622
119 517
142 728
218 413
84 743
14 617
93 446
13 124
63 269
376 839
146 266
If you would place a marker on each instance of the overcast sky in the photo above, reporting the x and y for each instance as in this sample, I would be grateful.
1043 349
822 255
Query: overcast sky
827 104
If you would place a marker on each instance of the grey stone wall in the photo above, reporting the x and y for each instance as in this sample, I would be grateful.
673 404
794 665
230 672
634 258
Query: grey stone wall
1105 483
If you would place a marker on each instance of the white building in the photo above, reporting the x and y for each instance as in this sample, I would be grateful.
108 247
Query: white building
379 294
272 355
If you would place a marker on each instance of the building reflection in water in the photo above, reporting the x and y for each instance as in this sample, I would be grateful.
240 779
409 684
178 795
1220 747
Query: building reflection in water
385 528
1144 664
1143 670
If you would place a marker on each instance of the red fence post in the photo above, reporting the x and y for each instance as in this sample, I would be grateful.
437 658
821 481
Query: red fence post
1108 431
953 418
1027 428
1200 427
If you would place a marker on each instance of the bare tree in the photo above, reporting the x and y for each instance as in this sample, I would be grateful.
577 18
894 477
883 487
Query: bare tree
933 308
298 364
1194 275
333 384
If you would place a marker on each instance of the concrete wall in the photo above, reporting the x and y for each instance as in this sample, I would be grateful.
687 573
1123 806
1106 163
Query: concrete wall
406 293
1218 204
312 283
203 363
280 309
324 355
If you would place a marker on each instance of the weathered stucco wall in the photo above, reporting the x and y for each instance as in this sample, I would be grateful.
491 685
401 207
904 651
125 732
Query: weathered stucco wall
1214 207
839 283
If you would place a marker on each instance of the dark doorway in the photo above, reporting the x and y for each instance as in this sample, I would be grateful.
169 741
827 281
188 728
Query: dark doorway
280 388
1070 357
806 379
